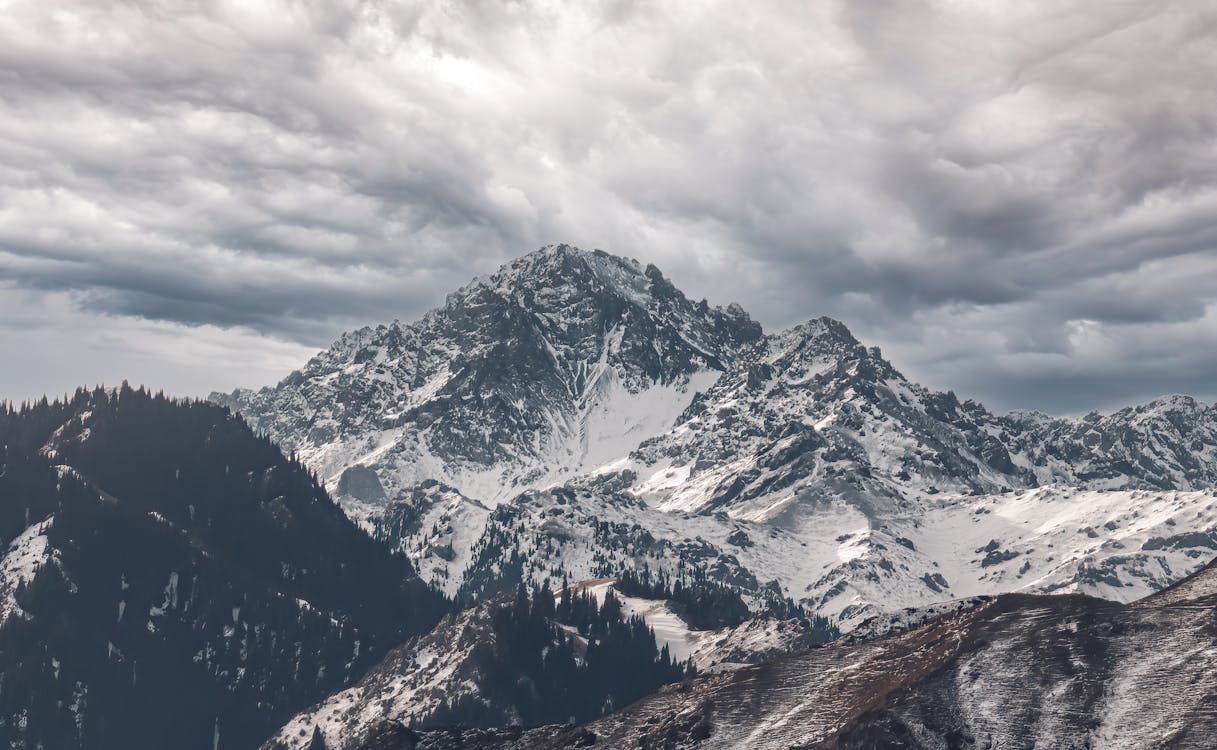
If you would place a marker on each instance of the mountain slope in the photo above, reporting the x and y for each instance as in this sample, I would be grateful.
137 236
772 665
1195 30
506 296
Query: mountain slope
839 563
169 579
1015 671
528 659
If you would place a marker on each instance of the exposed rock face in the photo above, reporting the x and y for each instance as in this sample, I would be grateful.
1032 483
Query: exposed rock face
1016 672
361 483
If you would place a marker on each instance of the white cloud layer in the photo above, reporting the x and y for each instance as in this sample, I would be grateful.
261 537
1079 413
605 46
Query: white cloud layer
1018 201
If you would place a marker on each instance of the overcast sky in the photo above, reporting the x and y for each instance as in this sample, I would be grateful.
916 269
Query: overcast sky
1017 201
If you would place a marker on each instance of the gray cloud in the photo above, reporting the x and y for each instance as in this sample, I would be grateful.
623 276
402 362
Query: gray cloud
1018 202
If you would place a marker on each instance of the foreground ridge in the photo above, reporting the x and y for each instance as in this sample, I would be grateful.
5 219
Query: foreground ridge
1014 671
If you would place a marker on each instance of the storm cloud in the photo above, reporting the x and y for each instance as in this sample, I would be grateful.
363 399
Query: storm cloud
1016 201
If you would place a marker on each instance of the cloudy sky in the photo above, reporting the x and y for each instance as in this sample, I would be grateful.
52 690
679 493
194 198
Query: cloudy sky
1015 200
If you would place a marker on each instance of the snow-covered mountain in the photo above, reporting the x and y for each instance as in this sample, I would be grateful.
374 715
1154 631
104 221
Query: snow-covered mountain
558 363
813 415
576 414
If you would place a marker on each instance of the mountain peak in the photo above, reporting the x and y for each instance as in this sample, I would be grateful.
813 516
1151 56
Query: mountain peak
557 276
816 338
556 267
825 328
558 361
1170 402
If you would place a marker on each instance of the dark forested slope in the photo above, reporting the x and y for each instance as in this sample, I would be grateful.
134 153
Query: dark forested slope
171 579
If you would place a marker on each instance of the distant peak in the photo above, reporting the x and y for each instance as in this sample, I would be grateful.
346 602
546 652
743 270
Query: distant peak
554 263
558 257
833 327
564 269
822 329
1174 399
1175 402
559 250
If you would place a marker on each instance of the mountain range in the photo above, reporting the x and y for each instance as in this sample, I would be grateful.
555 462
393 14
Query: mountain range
574 413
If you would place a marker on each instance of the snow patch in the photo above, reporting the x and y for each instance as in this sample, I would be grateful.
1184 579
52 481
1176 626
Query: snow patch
24 557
